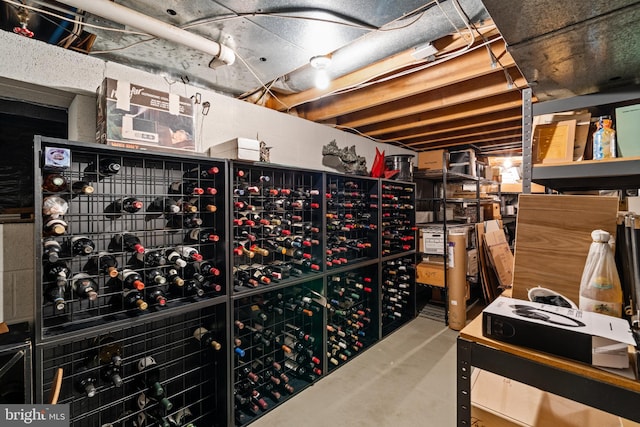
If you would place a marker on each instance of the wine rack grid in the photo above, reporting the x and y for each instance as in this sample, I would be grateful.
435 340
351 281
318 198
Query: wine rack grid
193 376
147 171
272 315
145 176
398 304
352 200
397 205
352 313
268 199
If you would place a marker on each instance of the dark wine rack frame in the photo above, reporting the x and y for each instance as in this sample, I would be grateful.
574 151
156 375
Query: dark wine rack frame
147 175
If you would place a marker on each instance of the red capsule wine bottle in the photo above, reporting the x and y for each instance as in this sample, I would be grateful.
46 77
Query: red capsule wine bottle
156 295
131 279
127 242
121 206
186 188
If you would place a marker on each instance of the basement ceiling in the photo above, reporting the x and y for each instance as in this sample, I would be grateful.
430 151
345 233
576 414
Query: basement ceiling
465 93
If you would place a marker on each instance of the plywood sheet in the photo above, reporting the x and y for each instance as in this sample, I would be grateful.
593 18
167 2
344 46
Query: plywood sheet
553 235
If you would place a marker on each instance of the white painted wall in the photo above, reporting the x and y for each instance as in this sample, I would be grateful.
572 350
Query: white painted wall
33 68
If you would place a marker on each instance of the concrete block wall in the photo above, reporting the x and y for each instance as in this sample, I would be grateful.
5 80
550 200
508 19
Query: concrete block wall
17 279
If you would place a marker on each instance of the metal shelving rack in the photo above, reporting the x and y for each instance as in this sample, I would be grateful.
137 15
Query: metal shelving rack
428 183
247 326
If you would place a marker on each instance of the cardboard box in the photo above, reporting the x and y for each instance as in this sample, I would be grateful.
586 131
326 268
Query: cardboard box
501 402
431 160
237 148
491 211
432 240
431 272
472 262
587 337
133 116
500 256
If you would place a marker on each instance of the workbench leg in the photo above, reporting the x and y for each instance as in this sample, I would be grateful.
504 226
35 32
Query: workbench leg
464 383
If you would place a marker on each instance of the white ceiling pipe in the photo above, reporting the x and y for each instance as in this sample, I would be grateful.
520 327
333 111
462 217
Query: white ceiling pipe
122 15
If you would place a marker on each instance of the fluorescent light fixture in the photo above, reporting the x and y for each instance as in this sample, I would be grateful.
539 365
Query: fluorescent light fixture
424 51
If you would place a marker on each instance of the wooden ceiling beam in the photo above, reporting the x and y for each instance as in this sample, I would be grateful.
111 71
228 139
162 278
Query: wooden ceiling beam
495 139
505 101
465 123
470 90
472 64
480 131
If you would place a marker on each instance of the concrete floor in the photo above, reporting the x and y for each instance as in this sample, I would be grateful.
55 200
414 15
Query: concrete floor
407 379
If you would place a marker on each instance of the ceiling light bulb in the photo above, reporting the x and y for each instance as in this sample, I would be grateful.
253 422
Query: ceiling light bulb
507 163
322 79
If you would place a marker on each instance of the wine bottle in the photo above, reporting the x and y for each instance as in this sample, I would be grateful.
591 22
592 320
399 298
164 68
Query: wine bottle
82 245
151 258
185 188
105 167
192 288
108 264
206 338
174 258
157 296
174 279
127 242
150 382
131 279
133 299
51 249
127 204
85 381
109 356
55 294
201 236
54 183
155 276
82 188
160 206
206 173
57 272
54 207
84 286
184 221
188 253
187 206
54 227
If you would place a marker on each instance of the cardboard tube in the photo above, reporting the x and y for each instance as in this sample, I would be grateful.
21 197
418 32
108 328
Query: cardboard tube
457 280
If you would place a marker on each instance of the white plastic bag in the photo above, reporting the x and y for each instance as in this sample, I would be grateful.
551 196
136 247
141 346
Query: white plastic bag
600 289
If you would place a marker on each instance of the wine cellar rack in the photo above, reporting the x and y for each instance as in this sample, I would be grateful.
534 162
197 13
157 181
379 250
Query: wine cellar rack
277 347
286 274
277 226
352 309
398 292
104 385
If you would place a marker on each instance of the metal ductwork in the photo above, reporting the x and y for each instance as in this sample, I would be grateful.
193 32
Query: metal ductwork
378 45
